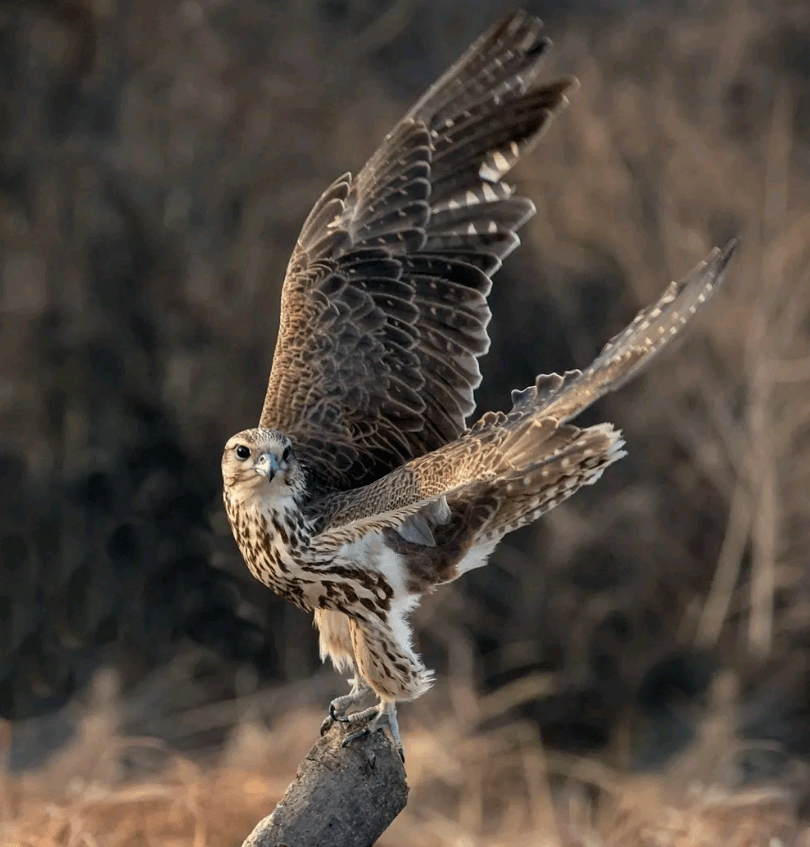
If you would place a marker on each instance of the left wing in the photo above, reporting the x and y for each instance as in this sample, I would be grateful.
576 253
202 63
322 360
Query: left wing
384 308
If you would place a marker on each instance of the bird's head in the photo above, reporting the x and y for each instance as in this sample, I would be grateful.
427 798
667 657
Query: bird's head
261 462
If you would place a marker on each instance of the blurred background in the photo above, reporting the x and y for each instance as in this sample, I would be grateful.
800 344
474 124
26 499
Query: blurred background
156 163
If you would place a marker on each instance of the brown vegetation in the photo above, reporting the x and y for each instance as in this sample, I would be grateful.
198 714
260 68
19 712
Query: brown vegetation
503 789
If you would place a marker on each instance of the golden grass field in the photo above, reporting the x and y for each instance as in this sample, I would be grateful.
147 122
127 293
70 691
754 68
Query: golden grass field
465 788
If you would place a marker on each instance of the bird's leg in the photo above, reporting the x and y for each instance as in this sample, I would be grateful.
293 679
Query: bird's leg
379 717
340 705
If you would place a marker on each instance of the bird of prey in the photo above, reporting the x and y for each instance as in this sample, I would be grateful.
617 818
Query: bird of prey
363 487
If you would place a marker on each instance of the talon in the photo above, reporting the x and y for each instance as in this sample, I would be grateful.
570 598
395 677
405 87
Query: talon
353 736
340 705
379 718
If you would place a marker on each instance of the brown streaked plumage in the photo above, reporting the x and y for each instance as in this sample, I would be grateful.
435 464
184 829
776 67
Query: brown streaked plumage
363 489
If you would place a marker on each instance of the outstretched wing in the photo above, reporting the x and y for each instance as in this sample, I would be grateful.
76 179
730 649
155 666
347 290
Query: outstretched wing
632 350
384 308
532 458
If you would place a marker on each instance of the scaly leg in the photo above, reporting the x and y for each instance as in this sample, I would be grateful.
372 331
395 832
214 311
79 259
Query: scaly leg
379 717
340 705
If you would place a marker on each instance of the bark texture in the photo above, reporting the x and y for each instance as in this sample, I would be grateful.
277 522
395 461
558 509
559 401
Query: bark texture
340 797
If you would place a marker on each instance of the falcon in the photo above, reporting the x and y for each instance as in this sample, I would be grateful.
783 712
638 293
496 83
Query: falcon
363 487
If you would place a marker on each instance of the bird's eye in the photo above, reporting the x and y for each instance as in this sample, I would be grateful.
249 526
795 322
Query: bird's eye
285 456
242 452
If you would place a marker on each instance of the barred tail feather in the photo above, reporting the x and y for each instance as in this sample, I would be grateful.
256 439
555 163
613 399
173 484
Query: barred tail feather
535 489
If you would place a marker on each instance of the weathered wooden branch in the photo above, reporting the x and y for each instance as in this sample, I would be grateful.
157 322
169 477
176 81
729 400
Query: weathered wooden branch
340 797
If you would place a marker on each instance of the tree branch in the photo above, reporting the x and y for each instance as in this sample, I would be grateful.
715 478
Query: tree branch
340 797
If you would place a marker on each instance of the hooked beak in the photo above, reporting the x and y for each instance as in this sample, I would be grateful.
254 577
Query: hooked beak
266 465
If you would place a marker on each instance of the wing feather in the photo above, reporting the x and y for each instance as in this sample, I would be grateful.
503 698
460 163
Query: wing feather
505 448
384 310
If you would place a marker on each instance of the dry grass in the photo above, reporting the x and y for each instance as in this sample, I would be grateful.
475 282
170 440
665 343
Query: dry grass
465 790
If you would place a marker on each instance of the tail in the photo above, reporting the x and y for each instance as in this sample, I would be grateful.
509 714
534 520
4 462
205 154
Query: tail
533 490
443 542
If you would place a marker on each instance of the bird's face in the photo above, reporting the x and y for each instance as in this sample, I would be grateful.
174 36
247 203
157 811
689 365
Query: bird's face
260 462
